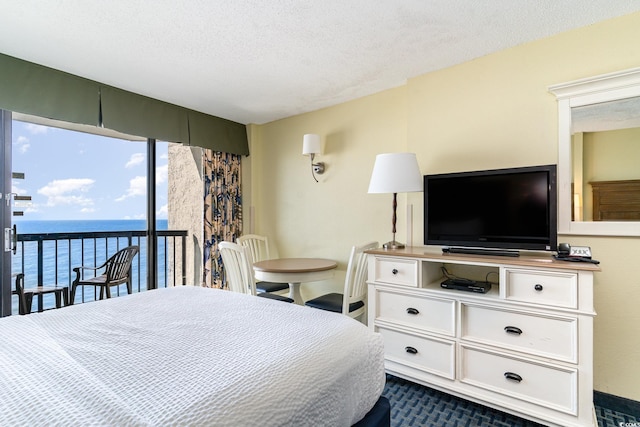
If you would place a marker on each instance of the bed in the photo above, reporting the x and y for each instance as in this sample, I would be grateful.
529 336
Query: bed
188 356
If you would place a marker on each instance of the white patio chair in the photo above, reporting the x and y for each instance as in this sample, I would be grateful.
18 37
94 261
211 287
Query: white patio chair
239 271
353 300
259 250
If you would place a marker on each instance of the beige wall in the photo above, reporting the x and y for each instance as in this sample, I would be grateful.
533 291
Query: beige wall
611 155
488 113
324 219
607 156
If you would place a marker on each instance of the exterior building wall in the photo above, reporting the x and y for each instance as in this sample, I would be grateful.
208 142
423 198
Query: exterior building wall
185 200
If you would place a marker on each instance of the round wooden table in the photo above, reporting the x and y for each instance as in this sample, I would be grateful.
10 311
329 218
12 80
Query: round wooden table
294 271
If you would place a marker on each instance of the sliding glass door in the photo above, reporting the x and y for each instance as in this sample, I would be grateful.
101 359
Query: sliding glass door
78 180
5 213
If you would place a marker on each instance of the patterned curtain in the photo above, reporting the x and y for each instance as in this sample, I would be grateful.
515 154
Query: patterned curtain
222 210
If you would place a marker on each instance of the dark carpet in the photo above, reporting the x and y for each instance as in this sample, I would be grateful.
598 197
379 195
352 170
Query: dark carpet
415 405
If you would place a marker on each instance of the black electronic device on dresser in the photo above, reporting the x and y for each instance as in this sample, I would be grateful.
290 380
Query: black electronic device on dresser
467 285
496 212
566 252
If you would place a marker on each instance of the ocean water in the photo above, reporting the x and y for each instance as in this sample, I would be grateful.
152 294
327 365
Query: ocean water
61 256
76 226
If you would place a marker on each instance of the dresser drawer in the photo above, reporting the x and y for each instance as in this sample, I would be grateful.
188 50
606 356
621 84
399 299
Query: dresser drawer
542 287
396 271
543 384
543 335
420 312
426 354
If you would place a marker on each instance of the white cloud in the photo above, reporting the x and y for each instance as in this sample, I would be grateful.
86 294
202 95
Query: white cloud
65 192
22 144
32 209
163 211
16 189
162 174
87 210
136 159
138 216
36 129
137 187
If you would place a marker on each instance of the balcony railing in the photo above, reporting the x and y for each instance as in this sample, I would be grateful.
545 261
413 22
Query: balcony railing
49 259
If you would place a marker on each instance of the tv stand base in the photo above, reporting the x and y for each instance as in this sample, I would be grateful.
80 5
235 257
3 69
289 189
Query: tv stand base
481 251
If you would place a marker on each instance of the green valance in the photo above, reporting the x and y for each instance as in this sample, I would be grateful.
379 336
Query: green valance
30 88
138 115
33 89
221 133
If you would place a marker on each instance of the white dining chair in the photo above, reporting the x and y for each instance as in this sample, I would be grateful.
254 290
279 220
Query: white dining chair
238 269
353 300
260 250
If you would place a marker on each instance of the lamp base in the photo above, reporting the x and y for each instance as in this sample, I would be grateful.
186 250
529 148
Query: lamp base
393 245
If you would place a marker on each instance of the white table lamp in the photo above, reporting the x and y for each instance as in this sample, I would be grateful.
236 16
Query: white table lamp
395 173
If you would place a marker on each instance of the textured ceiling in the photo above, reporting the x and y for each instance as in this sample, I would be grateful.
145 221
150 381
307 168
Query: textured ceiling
255 61
612 115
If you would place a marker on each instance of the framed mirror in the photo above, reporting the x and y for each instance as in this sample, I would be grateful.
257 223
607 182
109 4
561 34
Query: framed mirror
599 155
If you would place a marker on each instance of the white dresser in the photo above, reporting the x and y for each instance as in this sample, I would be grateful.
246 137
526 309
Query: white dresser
525 347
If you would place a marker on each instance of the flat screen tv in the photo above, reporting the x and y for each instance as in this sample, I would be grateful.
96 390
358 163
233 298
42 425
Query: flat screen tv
496 211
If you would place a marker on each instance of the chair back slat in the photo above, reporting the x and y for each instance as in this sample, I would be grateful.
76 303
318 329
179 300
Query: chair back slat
118 266
355 282
258 246
238 268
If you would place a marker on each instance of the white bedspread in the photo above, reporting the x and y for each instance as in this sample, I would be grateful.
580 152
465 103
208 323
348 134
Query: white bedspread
187 356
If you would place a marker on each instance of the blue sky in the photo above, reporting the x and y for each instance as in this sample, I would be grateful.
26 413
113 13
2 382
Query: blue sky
75 175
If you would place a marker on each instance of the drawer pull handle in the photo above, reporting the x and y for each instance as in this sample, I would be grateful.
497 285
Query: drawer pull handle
512 376
411 350
412 310
513 330
538 287
394 271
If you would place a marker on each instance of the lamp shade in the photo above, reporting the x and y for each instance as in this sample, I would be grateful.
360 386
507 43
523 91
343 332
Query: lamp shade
311 144
395 173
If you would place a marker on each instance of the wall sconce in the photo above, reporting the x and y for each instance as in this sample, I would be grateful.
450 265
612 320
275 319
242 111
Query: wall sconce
311 146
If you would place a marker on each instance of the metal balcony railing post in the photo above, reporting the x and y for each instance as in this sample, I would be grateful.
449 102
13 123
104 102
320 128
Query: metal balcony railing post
184 260
40 261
